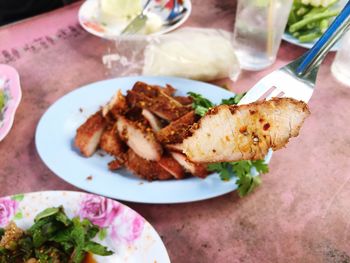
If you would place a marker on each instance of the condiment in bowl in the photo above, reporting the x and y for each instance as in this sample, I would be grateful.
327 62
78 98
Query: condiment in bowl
10 97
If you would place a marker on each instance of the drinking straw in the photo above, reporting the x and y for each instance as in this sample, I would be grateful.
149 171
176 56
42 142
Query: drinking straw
270 31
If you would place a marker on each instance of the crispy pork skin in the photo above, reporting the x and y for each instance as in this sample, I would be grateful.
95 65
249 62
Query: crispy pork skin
177 130
148 170
199 170
110 141
89 133
139 138
245 132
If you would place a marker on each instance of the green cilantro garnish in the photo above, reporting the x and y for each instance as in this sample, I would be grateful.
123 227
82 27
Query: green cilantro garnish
200 104
242 170
233 100
246 182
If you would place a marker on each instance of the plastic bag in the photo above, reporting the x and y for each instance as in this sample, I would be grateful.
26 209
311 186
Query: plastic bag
195 53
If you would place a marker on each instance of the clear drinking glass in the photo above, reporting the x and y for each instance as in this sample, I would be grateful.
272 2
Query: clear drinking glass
258 31
341 64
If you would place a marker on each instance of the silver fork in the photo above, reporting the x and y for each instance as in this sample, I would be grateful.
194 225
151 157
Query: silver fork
297 79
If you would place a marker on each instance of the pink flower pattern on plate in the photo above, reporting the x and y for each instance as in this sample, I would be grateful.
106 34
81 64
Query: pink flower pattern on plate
8 208
129 228
99 210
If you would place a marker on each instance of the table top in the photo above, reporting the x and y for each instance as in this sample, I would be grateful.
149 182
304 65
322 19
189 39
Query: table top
301 213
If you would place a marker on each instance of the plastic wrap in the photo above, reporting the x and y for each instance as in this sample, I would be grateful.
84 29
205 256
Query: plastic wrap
194 53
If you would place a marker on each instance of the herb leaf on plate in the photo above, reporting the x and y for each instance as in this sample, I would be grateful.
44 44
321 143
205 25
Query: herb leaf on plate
200 104
55 238
233 100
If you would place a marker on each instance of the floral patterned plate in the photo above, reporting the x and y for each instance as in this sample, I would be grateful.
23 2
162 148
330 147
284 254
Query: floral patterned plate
12 94
89 18
124 231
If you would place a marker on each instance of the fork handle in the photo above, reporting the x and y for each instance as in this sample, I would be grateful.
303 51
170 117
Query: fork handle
318 52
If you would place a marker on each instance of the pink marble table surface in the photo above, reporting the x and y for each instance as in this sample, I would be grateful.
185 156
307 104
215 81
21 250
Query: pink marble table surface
301 213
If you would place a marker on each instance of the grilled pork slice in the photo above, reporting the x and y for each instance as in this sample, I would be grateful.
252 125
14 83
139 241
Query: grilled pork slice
177 130
170 90
157 101
89 133
153 120
184 100
246 132
139 138
199 170
177 147
116 164
169 164
153 91
145 169
110 141
116 106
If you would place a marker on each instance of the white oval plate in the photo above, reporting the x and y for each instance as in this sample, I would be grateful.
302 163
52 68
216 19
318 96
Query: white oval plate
57 128
125 232
290 39
89 18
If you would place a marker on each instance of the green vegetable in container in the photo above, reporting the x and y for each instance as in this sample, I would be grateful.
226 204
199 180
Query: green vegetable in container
308 21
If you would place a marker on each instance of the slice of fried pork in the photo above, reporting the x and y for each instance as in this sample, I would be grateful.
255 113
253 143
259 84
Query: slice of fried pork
139 138
117 163
153 120
177 130
177 147
169 164
110 141
157 101
184 100
199 170
148 170
170 90
89 133
116 106
246 132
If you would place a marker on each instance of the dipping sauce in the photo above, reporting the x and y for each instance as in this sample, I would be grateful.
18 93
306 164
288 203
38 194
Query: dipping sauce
89 258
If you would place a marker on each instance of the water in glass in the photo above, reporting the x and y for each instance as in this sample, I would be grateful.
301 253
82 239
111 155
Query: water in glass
258 31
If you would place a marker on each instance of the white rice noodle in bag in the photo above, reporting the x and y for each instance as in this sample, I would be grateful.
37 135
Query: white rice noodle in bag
195 53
